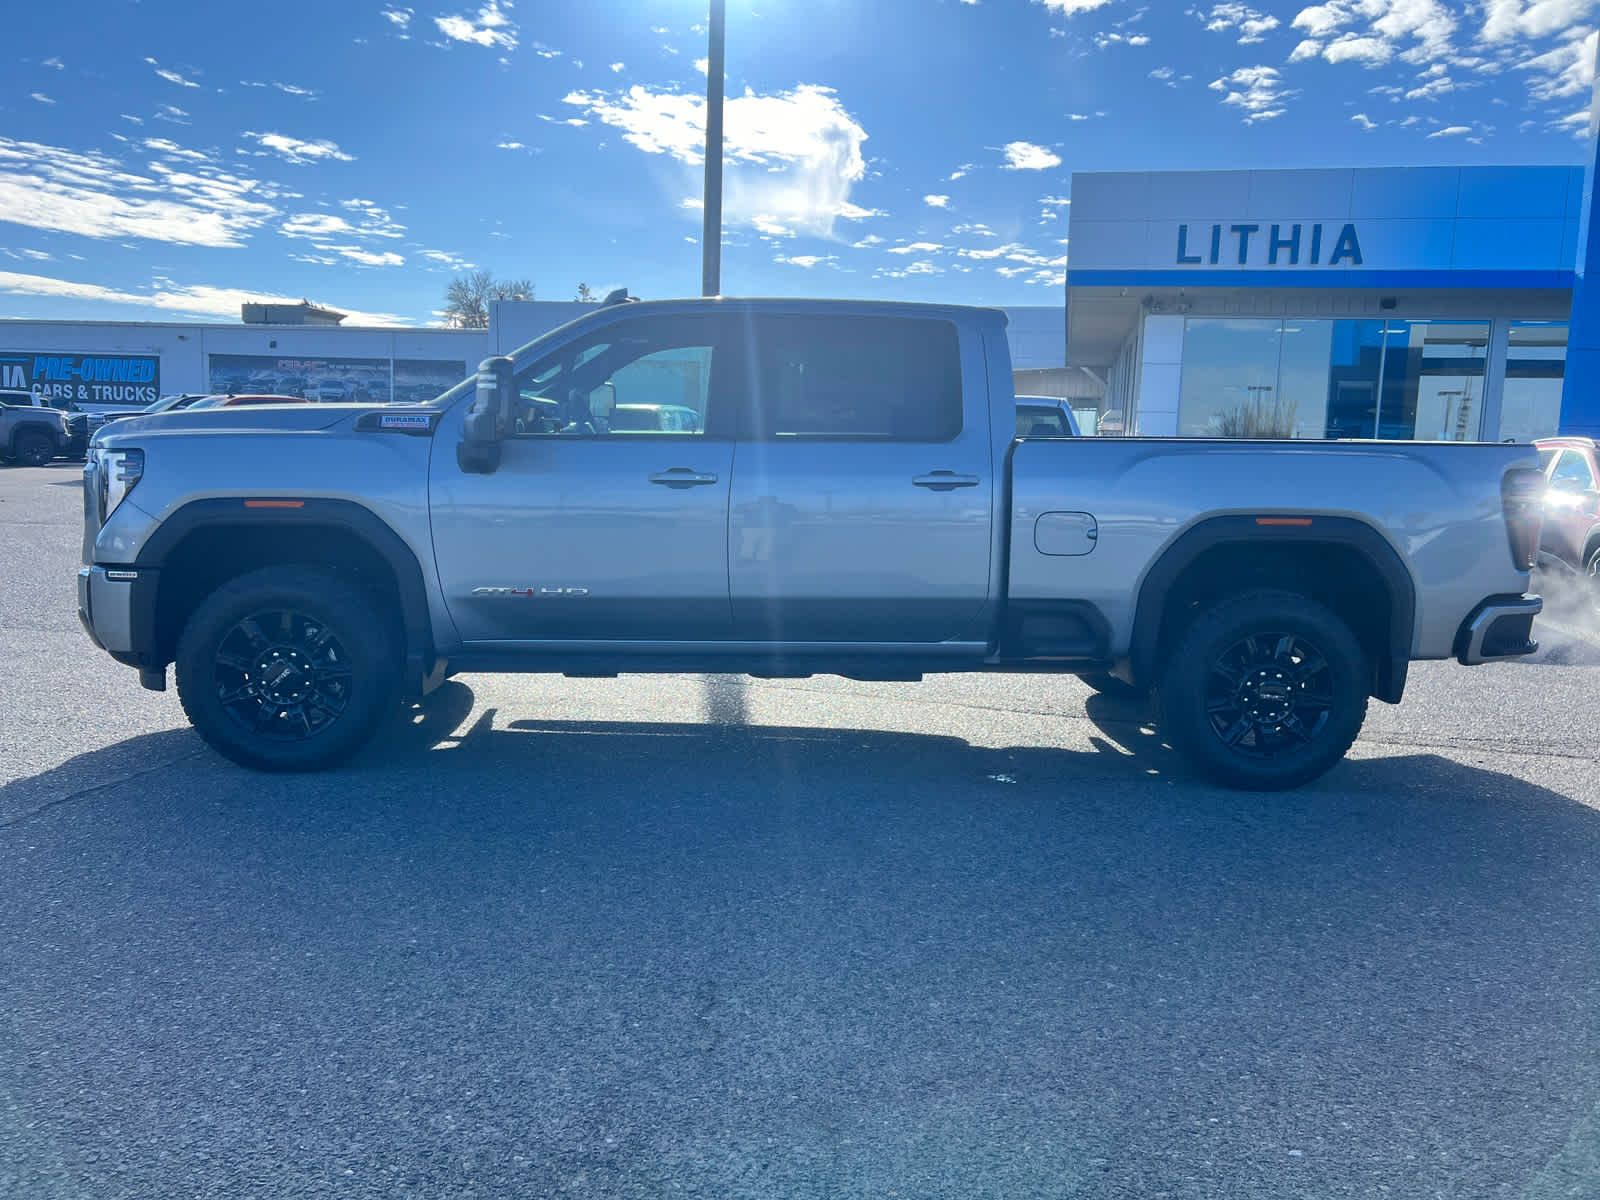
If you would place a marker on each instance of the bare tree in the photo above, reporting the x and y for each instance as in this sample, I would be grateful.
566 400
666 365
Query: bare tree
466 300
586 294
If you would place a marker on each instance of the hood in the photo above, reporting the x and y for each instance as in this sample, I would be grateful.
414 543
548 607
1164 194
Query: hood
232 422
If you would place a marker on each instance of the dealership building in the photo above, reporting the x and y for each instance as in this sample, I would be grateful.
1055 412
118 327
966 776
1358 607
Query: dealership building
1413 302
1416 302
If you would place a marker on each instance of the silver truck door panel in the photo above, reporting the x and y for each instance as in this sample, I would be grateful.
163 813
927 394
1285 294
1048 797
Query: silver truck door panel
842 528
576 538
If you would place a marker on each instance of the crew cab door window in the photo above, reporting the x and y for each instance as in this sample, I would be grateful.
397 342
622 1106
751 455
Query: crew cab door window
657 371
862 483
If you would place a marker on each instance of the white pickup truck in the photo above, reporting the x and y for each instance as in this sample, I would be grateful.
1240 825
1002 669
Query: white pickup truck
850 497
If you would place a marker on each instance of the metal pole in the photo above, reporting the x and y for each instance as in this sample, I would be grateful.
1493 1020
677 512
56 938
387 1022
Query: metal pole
711 233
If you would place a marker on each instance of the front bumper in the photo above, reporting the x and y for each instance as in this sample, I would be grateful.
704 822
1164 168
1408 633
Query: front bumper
1499 628
117 608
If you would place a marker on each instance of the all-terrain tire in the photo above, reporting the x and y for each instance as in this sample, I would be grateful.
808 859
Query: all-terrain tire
289 668
1265 690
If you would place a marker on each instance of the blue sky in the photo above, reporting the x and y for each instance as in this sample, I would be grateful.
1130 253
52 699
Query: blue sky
164 160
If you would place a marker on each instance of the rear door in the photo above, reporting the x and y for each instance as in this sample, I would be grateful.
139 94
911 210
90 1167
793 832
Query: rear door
863 489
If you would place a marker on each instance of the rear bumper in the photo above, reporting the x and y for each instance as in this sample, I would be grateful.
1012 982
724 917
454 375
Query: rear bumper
1499 628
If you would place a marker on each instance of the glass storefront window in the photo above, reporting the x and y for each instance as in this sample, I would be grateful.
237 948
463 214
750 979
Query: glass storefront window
1356 364
1433 380
1536 357
1229 386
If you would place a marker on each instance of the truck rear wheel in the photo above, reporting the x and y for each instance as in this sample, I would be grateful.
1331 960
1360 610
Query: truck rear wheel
34 449
1265 690
288 668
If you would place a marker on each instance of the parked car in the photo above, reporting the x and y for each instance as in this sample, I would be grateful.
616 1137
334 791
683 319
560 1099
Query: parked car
32 433
867 511
1570 539
1045 416
243 401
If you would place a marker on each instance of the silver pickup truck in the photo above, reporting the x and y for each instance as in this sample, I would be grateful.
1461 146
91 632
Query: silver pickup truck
849 499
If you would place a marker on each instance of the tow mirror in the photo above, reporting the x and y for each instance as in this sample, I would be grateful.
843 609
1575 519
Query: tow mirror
478 452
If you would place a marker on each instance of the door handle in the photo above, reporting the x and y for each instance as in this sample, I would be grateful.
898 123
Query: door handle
944 481
683 477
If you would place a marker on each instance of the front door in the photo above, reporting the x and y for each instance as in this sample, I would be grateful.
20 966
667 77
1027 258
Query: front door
862 492
591 532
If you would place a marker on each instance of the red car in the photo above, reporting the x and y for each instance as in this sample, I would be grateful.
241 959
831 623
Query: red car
1571 504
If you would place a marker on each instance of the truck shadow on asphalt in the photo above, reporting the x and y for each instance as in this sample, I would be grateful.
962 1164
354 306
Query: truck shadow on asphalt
759 944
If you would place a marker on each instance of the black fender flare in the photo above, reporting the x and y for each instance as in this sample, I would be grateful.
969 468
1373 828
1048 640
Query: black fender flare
1208 534
358 520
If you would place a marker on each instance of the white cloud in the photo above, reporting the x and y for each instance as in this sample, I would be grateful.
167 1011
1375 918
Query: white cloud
1576 123
961 172
791 158
171 76
616 66
1257 90
297 150
490 27
1433 89
806 260
1162 73
1139 39
1451 131
1568 70
974 227
134 119
1365 122
703 65
42 98
367 258
169 297
916 248
1071 8
936 201
1374 31
454 261
174 151
1250 24
1506 20
315 225
172 114
57 64
871 239
992 251
924 268
509 146
94 195
1025 156
1374 51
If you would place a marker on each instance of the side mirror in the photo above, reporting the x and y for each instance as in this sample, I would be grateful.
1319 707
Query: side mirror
478 452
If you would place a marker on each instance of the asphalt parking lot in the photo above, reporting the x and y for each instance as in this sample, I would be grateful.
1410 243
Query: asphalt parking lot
649 937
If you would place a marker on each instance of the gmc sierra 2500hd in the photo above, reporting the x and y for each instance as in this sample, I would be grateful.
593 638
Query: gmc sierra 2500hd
850 498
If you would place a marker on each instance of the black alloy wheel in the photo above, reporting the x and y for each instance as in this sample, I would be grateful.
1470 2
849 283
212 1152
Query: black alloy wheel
282 675
1264 690
290 668
1268 693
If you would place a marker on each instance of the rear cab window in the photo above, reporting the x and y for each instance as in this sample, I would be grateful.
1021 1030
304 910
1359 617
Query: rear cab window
857 378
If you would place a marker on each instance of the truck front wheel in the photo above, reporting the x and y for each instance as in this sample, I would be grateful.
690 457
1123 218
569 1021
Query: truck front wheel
288 668
1265 690
34 449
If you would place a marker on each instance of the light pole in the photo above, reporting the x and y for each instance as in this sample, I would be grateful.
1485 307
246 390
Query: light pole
711 232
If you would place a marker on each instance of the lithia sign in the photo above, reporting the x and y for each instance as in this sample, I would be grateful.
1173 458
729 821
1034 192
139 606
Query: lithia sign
1273 245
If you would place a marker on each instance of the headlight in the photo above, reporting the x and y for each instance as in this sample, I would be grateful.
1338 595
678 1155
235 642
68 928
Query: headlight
118 471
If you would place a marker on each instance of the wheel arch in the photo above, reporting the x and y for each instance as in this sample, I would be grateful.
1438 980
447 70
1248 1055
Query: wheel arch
1339 561
207 542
